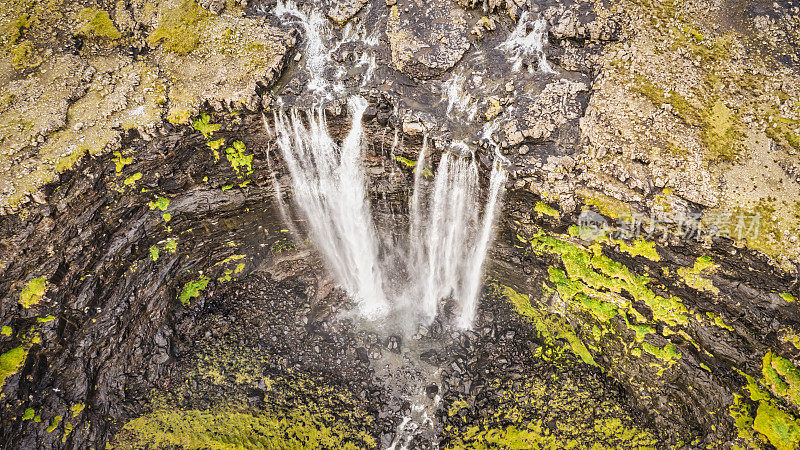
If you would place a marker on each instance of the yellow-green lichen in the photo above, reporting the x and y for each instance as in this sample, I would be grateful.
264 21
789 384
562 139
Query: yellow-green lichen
28 414
77 408
54 424
45 319
639 247
546 210
154 253
180 29
131 180
788 297
195 429
95 22
161 203
203 125
239 161
693 278
33 292
595 275
193 289
781 428
782 377
549 327
11 361
120 162
6 330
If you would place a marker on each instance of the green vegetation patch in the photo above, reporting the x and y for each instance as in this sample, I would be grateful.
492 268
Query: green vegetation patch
179 29
788 297
536 413
33 292
131 180
6 331
589 273
11 361
95 22
239 161
550 328
28 414
193 289
546 210
782 377
194 429
203 125
693 276
781 428
120 162
161 203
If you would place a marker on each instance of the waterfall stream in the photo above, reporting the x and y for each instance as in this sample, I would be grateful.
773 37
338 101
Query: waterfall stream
450 215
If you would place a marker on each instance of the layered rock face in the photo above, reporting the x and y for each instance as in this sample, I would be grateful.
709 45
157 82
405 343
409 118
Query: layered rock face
644 260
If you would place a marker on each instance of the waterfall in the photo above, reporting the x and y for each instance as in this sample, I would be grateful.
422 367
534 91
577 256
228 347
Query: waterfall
524 45
448 231
328 184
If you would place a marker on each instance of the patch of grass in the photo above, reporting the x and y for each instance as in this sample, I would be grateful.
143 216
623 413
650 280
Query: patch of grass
179 29
95 22
25 56
782 377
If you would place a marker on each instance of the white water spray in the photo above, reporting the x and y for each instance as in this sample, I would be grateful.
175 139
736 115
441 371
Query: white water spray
524 45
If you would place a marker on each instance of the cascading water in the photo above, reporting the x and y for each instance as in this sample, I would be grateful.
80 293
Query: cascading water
524 45
448 234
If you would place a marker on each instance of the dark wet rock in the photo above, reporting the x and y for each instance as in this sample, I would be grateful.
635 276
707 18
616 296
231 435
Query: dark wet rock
426 38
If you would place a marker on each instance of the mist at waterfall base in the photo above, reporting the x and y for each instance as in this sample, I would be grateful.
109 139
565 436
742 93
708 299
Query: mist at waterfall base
449 230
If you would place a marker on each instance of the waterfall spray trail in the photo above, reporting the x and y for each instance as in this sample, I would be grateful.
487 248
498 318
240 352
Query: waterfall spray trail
524 45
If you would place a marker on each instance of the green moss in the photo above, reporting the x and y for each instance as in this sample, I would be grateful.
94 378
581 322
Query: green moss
608 206
171 245
782 429
6 331
669 353
692 276
547 210
538 414
549 327
597 276
54 424
687 112
23 22
161 203
639 247
120 162
33 292
203 125
411 164
788 297
239 161
193 289
131 180
179 29
77 408
154 253
718 321
95 22
743 419
45 319
782 377
215 146
167 217
194 429
28 415
11 361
